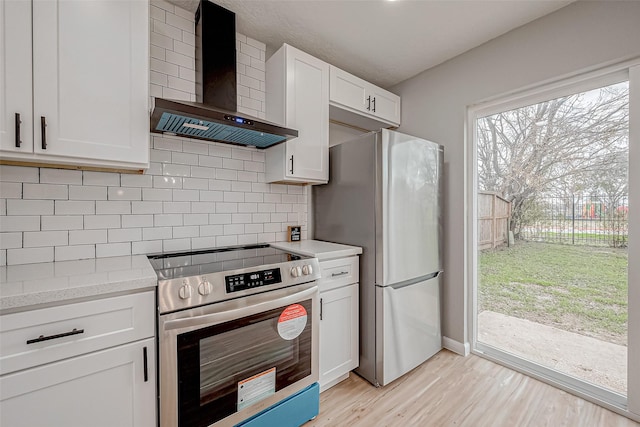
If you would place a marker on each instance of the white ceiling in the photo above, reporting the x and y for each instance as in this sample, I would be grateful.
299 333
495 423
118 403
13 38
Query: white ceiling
382 41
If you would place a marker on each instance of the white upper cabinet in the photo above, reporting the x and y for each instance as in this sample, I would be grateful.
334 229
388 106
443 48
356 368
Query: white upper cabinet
298 98
357 102
77 73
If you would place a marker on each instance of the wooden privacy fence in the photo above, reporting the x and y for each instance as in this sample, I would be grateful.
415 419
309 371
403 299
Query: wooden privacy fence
493 220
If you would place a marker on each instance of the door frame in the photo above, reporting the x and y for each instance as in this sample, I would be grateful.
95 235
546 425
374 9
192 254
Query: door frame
628 406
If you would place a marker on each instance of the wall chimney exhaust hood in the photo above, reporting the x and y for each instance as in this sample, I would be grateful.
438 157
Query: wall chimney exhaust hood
213 117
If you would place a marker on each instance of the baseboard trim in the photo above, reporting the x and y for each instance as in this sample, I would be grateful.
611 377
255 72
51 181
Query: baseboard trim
463 349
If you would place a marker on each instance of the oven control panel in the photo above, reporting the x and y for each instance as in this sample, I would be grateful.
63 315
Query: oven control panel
255 279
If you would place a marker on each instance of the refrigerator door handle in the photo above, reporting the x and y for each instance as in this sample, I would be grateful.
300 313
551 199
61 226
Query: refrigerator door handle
406 283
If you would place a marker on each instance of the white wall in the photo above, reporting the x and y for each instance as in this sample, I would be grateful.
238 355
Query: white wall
582 35
194 195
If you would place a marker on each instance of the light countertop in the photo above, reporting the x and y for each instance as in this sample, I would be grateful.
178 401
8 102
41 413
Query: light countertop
319 249
24 286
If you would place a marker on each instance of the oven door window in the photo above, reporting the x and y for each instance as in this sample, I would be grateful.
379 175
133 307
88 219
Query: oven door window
227 367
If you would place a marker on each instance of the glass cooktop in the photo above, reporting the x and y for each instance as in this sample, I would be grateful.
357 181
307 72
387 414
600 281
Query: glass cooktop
194 263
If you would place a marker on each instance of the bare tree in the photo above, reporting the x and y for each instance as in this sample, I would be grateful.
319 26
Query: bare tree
555 146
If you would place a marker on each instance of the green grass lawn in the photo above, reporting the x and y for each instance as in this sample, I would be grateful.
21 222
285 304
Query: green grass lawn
576 288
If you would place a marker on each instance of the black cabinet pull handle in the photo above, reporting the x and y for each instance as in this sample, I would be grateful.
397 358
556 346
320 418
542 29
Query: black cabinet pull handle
369 103
144 363
18 123
43 129
342 273
53 337
320 308
374 105
292 164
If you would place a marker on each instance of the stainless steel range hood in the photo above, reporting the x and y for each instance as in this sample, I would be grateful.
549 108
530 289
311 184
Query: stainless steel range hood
213 117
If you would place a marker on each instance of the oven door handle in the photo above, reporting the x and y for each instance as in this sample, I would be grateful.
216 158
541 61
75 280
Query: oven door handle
215 318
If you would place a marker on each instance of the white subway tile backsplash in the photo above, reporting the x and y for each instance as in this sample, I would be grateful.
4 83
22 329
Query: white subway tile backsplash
176 245
29 207
157 233
167 182
176 207
67 253
226 240
19 174
201 172
84 237
230 196
146 247
29 255
167 220
132 221
241 218
45 191
203 207
254 197
62 222
167 30
157 194
142 181
10 240
222 207
19 223
185 195
118 235
124 193
94 222
113 249
113 207
169 169
196 219
220 218
195 184
193 195
87 193
211 230
181 22
32 239
210 161
161 41
186 231
74 207
226 174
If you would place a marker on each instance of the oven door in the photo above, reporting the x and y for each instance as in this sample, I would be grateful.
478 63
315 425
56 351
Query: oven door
222 363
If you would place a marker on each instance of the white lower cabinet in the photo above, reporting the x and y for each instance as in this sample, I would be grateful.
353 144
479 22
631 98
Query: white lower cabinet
339 327
106 388
338 334
82 364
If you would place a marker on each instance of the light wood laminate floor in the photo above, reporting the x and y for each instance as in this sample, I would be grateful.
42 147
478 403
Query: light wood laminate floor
451 390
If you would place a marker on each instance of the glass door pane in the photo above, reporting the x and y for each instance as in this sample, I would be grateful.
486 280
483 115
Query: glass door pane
553 216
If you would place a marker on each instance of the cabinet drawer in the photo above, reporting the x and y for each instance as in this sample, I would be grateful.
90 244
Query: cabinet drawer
69 330
338 272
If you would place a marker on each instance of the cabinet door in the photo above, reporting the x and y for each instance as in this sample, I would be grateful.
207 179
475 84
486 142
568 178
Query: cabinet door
15 75
385 105
348 90
90 61
307 98
106 388
338 334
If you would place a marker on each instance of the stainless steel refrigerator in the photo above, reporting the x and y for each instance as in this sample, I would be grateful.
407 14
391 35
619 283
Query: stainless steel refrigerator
385 195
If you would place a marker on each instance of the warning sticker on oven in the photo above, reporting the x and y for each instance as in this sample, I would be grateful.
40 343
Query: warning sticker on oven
292 321
256 388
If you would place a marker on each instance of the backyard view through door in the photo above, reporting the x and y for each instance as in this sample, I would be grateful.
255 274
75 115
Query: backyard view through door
553 232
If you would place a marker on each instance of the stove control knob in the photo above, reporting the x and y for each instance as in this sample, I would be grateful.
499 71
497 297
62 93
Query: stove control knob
296 271
205 288
185 291
306 269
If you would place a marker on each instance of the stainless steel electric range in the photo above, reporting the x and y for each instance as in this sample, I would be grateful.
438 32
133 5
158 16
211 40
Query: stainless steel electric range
237 331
